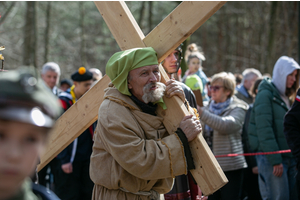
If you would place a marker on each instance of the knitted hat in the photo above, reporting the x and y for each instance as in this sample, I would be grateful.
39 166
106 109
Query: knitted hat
82 75
121 63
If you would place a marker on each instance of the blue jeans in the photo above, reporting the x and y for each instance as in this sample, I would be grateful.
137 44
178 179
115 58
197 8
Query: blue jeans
272 187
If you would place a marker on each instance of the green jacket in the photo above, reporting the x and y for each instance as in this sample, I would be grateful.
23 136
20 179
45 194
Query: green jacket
265 129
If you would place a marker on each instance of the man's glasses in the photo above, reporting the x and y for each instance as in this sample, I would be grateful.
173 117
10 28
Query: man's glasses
215 88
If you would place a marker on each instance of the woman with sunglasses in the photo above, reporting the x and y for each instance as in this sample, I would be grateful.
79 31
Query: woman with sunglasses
223 121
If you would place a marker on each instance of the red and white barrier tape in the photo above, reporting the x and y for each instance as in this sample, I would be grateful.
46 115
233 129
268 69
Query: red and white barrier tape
253 154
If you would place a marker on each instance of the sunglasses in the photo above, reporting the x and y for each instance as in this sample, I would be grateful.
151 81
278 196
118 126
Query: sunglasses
215 88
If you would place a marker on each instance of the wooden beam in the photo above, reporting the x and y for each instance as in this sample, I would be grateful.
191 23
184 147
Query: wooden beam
118 19
208 173
182 22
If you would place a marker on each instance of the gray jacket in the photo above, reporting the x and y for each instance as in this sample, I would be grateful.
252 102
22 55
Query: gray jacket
227 130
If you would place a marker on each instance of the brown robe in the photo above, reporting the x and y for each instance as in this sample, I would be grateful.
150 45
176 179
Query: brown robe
132 151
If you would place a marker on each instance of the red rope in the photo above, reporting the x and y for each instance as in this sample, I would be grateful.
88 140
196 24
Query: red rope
254 154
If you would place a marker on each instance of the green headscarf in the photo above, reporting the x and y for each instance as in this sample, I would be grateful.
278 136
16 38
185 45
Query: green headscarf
121 63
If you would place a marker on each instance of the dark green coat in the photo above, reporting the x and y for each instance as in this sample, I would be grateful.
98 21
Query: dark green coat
265 129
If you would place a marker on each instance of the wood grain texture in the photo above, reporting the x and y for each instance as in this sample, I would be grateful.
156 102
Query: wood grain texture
182 22
121 24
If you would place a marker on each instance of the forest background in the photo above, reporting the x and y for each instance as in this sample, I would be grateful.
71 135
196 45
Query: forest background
73 34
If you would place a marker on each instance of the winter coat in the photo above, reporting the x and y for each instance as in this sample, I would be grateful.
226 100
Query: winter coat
243 94
227 130
265 129
292 129
83 147
132 151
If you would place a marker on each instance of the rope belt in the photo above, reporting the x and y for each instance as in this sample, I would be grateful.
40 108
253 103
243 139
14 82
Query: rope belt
152 193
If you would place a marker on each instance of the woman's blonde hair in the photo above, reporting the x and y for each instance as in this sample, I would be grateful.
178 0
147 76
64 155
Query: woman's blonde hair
227 79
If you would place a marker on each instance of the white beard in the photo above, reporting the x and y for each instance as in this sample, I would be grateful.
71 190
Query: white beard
153 95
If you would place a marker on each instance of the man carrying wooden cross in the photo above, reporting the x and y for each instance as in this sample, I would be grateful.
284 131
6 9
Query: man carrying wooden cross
134 157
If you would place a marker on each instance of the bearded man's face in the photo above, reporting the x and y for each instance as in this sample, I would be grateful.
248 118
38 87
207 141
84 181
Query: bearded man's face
153 95
144 83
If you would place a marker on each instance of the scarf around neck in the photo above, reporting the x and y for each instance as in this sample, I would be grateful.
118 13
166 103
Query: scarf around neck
217 108
149 108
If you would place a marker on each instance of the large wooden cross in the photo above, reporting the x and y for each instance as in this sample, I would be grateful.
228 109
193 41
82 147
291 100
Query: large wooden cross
164 38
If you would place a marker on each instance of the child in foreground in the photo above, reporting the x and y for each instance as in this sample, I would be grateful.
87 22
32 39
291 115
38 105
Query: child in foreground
27 113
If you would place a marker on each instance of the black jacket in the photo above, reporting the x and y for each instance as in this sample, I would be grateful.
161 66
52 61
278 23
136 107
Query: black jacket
85 140
292 128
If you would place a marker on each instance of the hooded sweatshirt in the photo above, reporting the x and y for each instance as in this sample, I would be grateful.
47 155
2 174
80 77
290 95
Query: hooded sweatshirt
283 67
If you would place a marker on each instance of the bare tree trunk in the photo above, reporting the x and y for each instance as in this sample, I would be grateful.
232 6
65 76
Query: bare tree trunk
270 49
3 17
287 33
220 42
141 16
30 35
183 64
82 36
47 30
150 16
238 50
293 28
261 33
204 37
227 41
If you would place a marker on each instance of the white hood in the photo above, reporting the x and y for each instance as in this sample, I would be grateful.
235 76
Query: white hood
283 67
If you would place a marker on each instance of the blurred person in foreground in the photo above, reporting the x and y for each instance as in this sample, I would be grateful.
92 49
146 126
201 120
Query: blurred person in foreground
222 120
265 131
134 157
27 113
